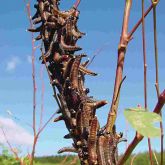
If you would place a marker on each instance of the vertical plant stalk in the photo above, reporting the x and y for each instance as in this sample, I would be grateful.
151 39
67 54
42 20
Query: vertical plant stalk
119 70
145 74
157 76
34 83
138 137
33 68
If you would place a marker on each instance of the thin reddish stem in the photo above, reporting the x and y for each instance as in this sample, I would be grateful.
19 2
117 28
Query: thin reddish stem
34 83
77 3
157 75
145 73
139 22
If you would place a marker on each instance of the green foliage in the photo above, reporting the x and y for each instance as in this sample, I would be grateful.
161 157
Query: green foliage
55 160
6 158
142 121
143 158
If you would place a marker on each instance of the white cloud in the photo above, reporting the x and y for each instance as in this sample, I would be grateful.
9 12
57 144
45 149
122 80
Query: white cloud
12 63
29 59
14 133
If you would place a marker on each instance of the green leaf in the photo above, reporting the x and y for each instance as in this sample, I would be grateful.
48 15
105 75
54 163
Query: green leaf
142 121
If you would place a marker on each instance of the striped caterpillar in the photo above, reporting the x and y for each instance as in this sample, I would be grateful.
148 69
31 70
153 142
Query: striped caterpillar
59 33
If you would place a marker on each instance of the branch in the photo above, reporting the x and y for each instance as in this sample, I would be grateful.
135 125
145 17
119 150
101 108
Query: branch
138 137
145 73
139 22
33 67
43 127
119 70
76 4
157 75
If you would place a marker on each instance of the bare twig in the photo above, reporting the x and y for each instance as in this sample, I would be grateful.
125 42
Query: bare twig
43 127
77 3
157 75
34 82
145 74
96 53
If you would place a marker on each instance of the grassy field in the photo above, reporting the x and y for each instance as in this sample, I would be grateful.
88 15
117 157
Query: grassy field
141 158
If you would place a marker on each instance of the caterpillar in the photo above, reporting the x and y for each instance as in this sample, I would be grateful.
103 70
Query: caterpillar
92 142
59 33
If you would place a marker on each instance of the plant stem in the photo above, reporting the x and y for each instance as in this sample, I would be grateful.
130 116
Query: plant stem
157 75
139 22
119 70
34 83
145 74
77 3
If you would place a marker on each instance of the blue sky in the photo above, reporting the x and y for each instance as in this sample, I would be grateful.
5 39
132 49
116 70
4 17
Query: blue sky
102 23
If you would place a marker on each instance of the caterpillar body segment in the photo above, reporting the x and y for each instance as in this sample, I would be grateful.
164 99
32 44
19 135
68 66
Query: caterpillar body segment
86 71
67 149
68 67
69 47
37 20
38 29
58 119
100 151
92 142
64 14
74 72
